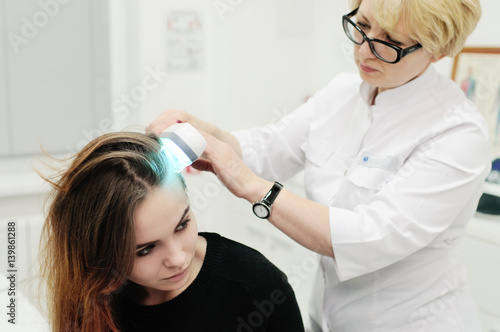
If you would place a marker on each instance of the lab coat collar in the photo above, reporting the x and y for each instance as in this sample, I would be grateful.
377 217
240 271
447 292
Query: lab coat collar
401 93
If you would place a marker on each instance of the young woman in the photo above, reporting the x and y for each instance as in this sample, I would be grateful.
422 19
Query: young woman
121 252
394 160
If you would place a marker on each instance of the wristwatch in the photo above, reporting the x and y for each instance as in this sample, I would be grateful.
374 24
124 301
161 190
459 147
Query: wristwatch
262 208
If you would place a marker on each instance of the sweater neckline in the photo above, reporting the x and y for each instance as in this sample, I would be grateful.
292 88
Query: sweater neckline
193 294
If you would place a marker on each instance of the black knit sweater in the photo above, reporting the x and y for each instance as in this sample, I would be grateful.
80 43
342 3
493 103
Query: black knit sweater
237 289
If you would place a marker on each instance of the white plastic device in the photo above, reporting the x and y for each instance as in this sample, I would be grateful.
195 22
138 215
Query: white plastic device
183 144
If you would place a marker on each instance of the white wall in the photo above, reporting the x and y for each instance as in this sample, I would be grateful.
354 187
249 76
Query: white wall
264 56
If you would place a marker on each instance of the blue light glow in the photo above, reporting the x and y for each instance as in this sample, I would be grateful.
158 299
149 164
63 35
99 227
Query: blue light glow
177 159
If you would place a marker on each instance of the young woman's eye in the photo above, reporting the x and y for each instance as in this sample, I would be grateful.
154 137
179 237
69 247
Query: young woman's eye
183 225
145 251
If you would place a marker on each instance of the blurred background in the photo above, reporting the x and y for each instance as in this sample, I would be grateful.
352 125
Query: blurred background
71 70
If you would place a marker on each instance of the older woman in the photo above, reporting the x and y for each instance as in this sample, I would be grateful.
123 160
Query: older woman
394 162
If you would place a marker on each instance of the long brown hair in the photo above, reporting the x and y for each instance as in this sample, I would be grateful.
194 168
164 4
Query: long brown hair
88 240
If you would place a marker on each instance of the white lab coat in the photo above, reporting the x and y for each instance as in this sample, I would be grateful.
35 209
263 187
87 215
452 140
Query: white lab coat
402 179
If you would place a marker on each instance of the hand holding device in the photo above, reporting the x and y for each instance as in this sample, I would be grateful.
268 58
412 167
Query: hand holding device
183 145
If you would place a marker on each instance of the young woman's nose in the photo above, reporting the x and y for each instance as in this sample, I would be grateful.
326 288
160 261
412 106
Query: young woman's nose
174 256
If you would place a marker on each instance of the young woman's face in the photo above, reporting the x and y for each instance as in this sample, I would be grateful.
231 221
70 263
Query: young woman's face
166 238
377 72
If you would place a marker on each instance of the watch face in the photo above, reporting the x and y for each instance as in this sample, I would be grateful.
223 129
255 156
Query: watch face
260 211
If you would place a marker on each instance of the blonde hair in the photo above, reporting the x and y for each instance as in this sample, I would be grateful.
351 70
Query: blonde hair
441 27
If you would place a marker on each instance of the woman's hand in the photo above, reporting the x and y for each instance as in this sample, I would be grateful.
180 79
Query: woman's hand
220 159
173 116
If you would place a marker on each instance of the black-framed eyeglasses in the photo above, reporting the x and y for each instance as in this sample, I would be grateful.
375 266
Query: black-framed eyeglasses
383 50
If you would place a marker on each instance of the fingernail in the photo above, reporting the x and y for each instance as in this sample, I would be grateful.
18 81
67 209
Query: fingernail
179 121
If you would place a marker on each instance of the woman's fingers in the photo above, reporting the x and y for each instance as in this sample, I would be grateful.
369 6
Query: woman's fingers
168 118
203 165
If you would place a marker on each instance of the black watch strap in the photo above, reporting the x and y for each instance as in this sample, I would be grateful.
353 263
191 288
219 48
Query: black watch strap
273 193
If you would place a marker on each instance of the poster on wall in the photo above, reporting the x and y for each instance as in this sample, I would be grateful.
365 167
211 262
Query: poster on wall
184 42
477 72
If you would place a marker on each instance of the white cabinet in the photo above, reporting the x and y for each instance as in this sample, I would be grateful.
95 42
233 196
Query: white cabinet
480 250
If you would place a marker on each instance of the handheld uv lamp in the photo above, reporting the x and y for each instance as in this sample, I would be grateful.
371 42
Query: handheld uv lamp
183 145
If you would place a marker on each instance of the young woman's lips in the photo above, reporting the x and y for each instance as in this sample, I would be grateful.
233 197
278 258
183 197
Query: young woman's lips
178 276
366 69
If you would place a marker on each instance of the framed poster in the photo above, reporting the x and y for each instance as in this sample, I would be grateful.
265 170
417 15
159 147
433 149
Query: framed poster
185 42
477 71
